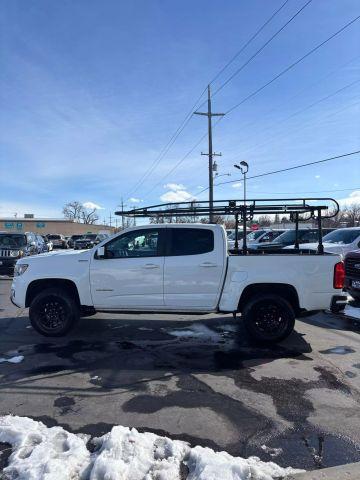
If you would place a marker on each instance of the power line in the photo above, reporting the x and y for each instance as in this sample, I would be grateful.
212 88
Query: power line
189 115
261 48
287 169
248 42
299 92
291 66
316 191
298 112
167 147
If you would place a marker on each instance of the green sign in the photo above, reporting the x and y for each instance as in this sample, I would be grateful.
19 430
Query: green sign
40 225
19 226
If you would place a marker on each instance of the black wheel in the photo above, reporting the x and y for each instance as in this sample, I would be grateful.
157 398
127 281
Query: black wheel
338 308
268 318
53 312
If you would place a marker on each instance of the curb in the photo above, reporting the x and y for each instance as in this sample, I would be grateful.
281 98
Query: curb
351 471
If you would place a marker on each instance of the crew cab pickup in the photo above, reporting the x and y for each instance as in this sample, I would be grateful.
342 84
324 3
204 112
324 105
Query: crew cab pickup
172 268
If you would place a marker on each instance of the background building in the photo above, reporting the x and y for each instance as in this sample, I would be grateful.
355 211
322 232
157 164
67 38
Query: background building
50 225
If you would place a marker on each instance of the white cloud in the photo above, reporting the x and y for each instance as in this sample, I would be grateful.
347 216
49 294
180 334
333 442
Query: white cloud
236 185
317 176
92 205
175 186
177 196
134 200
200 187
353 198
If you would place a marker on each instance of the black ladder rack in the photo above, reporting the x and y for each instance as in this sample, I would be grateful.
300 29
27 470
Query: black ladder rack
296 208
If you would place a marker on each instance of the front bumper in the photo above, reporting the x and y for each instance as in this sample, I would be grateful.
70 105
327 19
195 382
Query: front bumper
354 292
7 266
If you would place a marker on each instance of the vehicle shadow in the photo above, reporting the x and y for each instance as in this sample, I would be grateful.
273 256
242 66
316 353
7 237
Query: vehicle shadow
123 353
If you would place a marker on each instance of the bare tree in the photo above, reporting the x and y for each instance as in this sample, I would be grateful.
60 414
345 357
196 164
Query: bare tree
89 216
73 211
352 214
78 213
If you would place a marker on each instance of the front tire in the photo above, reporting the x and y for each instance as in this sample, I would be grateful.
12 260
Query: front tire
268 318
53 312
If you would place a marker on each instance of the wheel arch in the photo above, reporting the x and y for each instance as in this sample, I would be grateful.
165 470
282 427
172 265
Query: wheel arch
37 286
287 291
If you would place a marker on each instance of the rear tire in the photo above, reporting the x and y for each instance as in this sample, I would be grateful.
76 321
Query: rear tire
268 318
53 312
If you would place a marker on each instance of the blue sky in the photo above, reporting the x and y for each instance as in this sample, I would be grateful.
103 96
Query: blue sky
91 92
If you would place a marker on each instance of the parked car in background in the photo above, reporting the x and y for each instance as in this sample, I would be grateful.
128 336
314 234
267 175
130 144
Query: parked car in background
72 240
89 240
48 242
58 240
256 238
352 274
342 241
305 235
14 246
41 244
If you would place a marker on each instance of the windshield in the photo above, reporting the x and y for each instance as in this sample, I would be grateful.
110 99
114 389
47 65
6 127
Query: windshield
254 235
342 237
289 236
54 237
75 237
12 240
89 237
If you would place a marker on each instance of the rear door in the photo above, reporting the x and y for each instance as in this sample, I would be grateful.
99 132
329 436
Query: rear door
131 273
194 267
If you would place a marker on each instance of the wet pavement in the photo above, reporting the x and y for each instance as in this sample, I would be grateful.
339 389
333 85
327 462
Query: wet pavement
197 379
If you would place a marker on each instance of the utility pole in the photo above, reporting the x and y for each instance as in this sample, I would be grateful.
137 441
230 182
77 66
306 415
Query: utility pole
210 154
110 218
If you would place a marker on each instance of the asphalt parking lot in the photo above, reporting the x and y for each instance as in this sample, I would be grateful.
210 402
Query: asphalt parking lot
192 378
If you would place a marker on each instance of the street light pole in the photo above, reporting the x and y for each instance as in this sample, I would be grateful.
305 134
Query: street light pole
244 168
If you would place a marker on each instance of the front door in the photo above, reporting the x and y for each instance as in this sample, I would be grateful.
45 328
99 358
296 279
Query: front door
130 275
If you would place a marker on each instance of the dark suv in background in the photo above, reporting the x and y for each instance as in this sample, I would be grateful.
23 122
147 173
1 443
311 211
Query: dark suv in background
89 240
352 274
14 246
72 240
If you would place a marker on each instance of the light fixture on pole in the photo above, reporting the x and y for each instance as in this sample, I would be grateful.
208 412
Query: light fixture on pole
244 168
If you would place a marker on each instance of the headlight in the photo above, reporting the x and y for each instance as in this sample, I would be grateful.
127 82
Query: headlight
14 253
20 268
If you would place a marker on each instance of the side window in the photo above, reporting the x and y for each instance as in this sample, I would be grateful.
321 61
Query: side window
140 243
191 241
30 238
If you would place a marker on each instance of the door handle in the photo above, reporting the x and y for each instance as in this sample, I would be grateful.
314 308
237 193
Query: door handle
208 264
150 265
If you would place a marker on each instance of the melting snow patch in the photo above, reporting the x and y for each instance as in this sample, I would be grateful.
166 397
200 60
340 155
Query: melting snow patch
17 359
273 452
41 453
199 331
352 311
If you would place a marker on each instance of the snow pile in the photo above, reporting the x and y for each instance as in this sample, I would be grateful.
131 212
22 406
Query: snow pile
129 455
205 464
41 453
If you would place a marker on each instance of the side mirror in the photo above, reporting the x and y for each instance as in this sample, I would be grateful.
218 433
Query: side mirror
100 252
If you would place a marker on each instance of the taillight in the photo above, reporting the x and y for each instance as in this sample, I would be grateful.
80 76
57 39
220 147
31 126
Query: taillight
339 275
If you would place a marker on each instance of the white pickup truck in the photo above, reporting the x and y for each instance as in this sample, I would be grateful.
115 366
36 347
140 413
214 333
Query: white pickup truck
173 268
